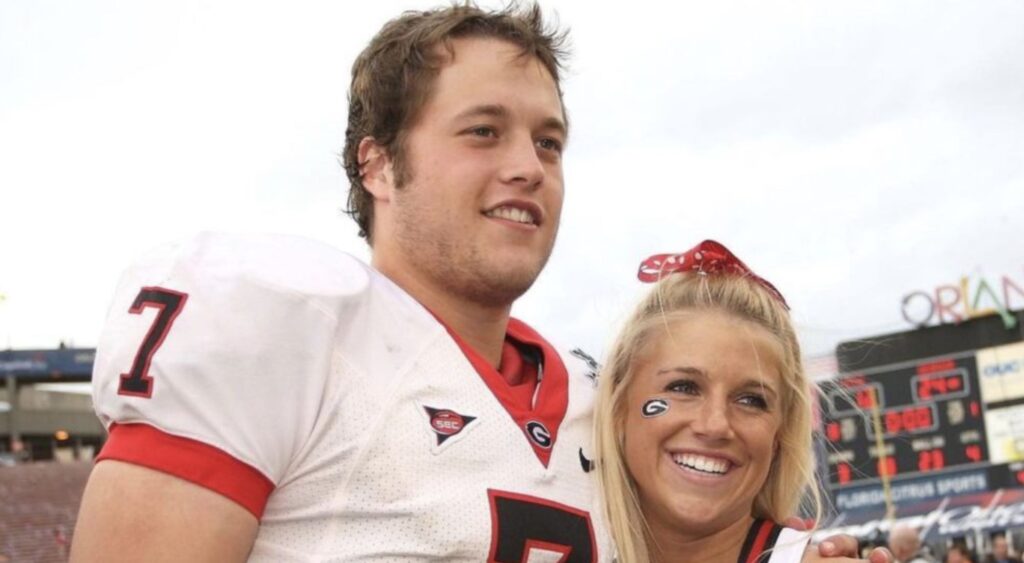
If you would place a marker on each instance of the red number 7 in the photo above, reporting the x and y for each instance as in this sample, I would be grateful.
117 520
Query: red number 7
138 382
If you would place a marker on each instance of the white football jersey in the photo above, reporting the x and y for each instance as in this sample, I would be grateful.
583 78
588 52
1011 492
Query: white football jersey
307 387
770 542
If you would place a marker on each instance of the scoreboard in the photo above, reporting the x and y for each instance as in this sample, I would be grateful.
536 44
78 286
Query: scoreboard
929 415
948 415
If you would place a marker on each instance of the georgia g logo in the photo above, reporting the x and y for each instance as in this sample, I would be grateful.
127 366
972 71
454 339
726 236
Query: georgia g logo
538 434
654 407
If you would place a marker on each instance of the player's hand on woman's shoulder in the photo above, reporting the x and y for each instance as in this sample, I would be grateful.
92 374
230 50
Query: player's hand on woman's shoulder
843 548
839 548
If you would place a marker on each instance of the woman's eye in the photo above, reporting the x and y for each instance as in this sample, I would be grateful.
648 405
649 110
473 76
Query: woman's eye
756 401
683 386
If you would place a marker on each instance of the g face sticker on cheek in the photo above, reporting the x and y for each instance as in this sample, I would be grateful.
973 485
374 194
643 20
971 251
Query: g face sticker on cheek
654 407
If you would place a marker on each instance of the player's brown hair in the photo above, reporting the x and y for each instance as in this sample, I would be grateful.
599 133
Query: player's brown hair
393 76
791 475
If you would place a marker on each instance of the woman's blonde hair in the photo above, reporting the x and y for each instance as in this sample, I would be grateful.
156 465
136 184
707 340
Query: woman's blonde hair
791 477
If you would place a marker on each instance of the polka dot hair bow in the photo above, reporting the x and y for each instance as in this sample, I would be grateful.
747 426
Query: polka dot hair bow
708 257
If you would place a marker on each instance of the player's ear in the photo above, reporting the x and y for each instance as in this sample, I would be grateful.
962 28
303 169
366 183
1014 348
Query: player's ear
375 169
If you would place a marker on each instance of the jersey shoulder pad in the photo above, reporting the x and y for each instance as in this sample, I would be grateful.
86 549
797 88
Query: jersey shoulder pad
282 263
227 340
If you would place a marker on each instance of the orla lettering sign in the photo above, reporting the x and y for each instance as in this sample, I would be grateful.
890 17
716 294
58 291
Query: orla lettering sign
971 298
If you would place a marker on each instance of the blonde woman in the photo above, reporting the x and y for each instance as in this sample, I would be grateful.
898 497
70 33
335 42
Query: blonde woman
703 422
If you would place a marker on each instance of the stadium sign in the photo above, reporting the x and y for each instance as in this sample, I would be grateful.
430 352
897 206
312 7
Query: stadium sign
913 490
48 365
970 299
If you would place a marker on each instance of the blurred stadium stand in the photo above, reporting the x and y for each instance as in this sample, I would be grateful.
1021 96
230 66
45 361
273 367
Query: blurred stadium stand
38 510
48 436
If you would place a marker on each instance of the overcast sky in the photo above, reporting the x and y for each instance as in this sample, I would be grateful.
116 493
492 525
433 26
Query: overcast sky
850 152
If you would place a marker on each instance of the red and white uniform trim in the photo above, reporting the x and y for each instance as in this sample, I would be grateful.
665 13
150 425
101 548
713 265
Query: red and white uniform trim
294 382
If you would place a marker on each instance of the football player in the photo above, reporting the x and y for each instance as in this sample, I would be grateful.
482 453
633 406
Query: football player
274 399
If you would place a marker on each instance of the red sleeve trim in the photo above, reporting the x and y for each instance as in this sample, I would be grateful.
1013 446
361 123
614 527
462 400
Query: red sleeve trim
199 463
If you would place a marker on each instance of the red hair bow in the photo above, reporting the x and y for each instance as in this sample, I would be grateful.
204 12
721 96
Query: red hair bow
708 257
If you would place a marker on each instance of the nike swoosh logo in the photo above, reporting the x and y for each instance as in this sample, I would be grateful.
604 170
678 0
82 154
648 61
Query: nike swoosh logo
588 465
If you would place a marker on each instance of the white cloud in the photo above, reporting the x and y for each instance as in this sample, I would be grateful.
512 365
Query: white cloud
849 152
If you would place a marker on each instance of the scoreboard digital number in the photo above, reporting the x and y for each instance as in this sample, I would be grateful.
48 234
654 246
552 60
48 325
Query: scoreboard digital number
929 416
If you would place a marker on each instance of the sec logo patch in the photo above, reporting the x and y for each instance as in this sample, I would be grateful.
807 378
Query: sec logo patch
447 422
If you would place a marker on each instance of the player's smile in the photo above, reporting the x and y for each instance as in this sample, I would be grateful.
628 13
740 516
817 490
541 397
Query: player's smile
521 213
